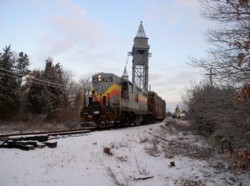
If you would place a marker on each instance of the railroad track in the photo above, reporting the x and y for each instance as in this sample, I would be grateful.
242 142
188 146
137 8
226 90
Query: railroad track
32 140
53 133
58 133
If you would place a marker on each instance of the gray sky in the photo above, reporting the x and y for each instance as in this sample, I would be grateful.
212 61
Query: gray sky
95 36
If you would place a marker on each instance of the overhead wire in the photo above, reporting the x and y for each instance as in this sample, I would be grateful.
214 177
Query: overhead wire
3 69
47 82
10 75
33 80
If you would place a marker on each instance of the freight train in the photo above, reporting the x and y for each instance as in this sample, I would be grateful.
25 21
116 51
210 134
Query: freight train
114 101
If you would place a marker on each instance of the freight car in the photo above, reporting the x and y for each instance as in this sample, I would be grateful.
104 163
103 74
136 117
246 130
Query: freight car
156 106
115 101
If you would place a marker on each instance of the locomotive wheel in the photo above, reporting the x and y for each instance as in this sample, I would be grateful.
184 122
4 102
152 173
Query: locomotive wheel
132 118
101 125
124 121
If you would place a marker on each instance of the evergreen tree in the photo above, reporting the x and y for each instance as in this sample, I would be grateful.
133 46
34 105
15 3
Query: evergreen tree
47 96
54 95
10 86
35 98
22 63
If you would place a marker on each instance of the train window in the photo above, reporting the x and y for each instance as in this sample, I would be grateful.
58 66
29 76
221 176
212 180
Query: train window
99 78
140 51
125 93
124 86
107 79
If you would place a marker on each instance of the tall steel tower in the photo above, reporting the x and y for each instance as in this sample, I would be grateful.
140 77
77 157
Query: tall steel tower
140 54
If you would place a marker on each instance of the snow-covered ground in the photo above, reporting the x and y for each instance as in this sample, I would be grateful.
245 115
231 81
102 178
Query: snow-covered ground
127 156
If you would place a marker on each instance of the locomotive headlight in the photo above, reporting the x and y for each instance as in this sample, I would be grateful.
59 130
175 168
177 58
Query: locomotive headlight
96 112
99 78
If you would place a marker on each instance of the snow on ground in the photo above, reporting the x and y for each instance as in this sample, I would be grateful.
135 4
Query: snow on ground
132 157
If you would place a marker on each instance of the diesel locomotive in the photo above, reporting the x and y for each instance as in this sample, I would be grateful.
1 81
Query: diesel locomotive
114 101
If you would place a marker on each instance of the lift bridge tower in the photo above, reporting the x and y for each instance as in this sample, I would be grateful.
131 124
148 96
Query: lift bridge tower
140 54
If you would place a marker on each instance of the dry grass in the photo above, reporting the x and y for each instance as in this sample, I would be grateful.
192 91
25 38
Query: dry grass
142 169
23 127
35 123
172 141
178 124
153 149
118 178
107 150
186 148
143 138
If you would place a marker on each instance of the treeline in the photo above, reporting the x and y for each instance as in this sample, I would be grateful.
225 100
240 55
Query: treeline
220 108
49 94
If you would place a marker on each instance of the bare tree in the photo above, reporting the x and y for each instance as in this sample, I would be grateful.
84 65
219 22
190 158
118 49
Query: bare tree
230 56
76 89
216 111
85 80
85 85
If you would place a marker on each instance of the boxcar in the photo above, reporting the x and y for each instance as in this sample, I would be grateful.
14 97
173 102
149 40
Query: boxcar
156 106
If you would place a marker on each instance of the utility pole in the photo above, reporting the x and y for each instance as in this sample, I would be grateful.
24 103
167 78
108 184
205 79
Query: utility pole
210 74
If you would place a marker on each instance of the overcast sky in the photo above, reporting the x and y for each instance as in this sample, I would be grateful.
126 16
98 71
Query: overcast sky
95 36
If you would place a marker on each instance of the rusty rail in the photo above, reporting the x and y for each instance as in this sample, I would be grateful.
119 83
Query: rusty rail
51 133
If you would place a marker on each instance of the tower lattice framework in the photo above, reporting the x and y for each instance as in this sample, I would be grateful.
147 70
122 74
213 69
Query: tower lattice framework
140 54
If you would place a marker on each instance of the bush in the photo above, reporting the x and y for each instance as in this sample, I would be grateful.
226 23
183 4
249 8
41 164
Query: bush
214 115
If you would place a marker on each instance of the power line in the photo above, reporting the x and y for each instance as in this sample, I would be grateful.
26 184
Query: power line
6 70
33 80
10 75
46 83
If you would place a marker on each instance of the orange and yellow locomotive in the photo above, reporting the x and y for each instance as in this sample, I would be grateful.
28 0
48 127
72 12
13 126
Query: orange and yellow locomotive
115 101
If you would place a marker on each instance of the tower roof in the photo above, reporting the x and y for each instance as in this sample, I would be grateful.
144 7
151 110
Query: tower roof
141 32
125 74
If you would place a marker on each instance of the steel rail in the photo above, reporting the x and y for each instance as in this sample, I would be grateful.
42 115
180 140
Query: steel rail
66 132
51 133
